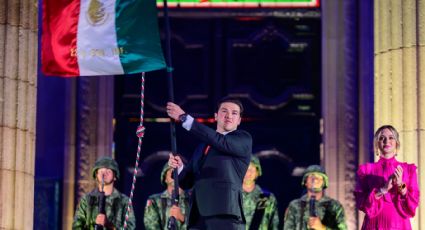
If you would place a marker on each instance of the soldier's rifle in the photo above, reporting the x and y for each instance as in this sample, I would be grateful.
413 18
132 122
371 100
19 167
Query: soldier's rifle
172 222
312 206
102 201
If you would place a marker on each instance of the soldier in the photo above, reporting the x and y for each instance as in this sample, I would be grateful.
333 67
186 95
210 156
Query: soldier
259 205
87 216
314 210
159 206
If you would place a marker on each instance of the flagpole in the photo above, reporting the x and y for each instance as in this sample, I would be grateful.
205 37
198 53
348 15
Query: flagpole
169 72
172 224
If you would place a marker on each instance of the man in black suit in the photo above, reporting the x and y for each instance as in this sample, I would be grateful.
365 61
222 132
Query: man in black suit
217 167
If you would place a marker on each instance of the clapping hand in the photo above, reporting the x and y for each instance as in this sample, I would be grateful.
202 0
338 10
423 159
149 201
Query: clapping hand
398 176
384 189
396 179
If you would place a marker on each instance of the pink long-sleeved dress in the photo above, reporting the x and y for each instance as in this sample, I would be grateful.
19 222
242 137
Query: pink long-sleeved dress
392 211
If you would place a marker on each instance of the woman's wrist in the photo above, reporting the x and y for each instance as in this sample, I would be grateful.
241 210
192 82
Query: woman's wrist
380 192
383 190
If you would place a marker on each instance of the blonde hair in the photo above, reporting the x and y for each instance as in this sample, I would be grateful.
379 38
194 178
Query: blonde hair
378 134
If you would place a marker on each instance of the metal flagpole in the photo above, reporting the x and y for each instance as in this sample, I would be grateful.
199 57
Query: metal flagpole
172 224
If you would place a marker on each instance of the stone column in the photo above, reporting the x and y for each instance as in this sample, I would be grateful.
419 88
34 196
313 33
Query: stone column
400 79
347 94
68 196
18 82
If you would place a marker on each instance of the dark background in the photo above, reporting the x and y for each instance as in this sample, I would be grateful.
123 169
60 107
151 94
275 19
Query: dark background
272 64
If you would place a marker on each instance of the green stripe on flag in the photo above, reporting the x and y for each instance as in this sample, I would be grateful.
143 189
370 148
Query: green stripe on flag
138 37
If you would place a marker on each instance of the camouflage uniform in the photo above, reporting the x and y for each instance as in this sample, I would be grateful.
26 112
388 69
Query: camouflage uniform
270 220
330 212
157 211
115 203
158 205
115 207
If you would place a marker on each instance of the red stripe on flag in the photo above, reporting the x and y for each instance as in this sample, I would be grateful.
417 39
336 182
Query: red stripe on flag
59 34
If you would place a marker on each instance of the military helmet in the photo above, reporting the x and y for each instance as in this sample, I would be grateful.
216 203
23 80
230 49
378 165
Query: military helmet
164 173
316 169
256 162
106 162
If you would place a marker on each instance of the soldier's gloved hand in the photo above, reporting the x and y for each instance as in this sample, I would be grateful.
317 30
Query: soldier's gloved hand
315 223
101 219
177 213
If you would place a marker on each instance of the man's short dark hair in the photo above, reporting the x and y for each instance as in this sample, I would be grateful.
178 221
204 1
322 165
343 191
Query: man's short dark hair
231 100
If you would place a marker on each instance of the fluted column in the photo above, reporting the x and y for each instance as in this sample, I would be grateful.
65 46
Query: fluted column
421 109
399 76
347 95
18 79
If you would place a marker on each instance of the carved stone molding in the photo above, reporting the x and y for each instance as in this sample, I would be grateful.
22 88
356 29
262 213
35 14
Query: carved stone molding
94 127
85 132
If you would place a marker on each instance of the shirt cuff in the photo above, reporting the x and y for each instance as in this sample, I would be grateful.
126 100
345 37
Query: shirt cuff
180 169
188 123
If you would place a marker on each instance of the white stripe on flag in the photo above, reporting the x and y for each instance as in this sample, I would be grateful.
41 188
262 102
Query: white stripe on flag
97 47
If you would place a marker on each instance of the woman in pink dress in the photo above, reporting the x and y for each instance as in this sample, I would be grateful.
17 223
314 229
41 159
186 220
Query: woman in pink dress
387 190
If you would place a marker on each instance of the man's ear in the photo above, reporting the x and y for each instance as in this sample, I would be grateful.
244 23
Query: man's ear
215 116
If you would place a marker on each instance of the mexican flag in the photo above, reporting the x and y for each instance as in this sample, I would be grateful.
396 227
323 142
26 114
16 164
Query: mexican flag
100 37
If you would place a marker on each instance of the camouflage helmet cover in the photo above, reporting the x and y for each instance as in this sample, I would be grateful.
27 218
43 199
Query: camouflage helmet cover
256 162
164 173
106 162
316 169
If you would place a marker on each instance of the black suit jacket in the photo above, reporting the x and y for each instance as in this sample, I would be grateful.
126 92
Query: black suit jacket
216 178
